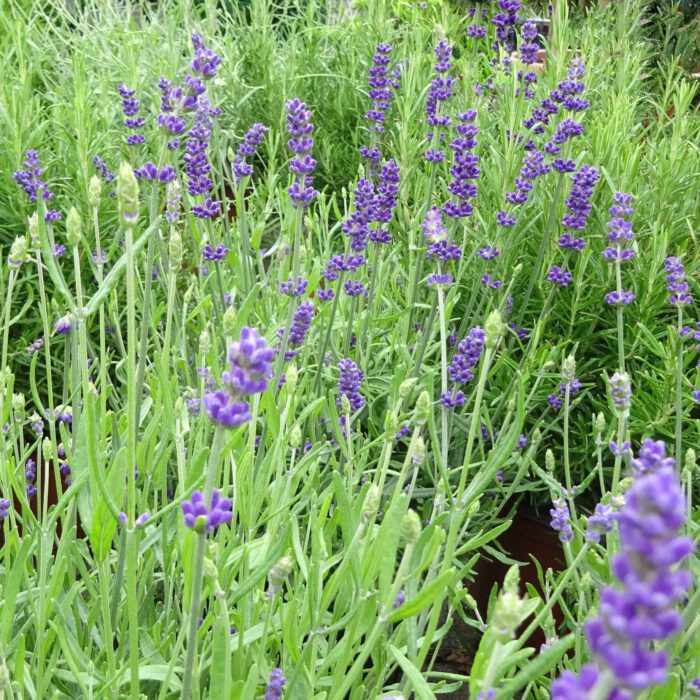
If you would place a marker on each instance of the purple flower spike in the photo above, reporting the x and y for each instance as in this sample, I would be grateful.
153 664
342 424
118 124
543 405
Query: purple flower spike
676 283
250 365
273 690
561 520
201 518
299 126
225 411
30 181
349 384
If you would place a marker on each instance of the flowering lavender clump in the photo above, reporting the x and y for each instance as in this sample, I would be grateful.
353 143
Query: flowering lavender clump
249 373
30 181
676 283
197 167
561 520
202 518
464 170
440 91
273 690
130 107
299 126
252 139
640 611
349 384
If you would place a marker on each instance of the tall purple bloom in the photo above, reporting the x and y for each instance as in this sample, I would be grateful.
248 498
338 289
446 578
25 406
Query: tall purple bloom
357 225
301 322
641 610
620 235
30 180
252 139
301 143
385 200
130 107
465 359
464 170
205 61
676 284
197 167
505 21
273 690
249 372
349 384
440 91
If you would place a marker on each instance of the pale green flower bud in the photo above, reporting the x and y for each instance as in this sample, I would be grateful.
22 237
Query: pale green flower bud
549 460
509 607
345 404
418 450
493 329
128 194
470 601
18 407
230 321
568 368
370 505
210 570
690 463
33 228
295 437
391 425
423 406
46 449
406 386
204 343
18 252
73 227
600 422
411 526
280 572
291 377
474 508
94 191
175 250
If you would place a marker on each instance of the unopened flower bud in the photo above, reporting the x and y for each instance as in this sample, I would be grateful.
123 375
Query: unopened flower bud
423 407
280 571
18 407
406 386
33 228
291 377
621 392
474 508
73 227
391 425
509 608
418 450
295 437
204 343
470 601
94 191
345 404
549 460
18 252
371 503
690 463
411 526
175 250
210 570
568 368
600 422
230 321
493 328
46 449
128 194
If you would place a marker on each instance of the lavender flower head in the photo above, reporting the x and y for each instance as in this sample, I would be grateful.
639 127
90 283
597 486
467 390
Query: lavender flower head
205 61
620 235
273 690
252 139
249 372
561 520
349 384
299 126
440 91
676 283
130 107
641 610
621 391
202 518
30 180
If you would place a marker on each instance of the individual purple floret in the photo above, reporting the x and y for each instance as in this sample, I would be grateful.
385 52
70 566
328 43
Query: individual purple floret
299 126
273 690
399 600
30 181
561 520
202 518
676 283
63 325
349 384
